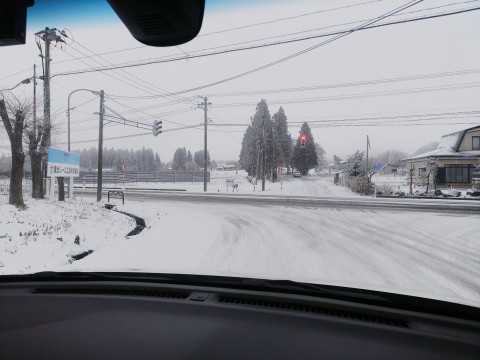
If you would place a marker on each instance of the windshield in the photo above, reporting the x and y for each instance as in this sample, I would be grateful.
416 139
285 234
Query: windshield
329 142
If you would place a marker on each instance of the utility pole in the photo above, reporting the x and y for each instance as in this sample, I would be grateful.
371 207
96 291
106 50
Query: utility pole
34 100
100 146
48 35
264 160
204 106
366 163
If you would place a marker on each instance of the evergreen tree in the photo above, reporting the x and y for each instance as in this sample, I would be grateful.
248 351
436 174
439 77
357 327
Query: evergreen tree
257 143
305 157
283 150
198 157
356 165
179 159
320 155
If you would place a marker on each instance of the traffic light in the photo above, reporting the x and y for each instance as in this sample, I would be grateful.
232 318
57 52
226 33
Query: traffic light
157 127
303 140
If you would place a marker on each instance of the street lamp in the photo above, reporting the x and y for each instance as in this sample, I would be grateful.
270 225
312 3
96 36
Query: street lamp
70 183
68 109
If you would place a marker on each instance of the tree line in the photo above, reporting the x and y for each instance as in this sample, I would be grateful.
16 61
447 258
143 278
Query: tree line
183 160
135 160
267 145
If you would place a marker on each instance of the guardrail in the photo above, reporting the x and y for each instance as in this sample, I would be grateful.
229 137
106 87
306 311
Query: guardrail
139 177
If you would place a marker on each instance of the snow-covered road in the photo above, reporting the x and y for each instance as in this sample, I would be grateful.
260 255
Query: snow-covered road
256 235
414 252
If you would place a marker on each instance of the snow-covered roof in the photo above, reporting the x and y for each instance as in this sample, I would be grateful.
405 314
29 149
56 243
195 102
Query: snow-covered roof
446 152
384 166
451 141
448 146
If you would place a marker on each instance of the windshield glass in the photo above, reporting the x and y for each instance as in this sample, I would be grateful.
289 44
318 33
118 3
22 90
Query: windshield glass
329 142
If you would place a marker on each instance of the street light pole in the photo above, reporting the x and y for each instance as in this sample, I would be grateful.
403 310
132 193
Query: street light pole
70 182
68 109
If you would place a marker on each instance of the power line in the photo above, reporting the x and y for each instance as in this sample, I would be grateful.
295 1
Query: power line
290 18
275 20
133 135
351 84
359 95
191 56
408 117
333 26
136 79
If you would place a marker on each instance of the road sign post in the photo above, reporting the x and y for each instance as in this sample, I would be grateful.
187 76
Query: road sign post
62 164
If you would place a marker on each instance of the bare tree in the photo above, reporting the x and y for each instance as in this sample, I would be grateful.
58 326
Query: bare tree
14 113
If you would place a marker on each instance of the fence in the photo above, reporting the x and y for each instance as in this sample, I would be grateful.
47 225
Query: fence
140 177
5 189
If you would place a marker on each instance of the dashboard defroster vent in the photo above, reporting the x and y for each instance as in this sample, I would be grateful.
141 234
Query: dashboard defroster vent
313 310
115 292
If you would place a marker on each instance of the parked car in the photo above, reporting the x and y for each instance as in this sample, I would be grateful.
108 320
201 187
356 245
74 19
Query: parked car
296 174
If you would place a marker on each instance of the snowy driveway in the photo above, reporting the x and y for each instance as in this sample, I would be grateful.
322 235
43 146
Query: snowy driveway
409 251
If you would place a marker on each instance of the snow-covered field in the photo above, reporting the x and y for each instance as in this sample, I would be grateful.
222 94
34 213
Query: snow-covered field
422 253
310 185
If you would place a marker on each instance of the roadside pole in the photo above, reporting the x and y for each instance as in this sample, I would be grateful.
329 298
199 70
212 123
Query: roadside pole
281 177
100 147
123 175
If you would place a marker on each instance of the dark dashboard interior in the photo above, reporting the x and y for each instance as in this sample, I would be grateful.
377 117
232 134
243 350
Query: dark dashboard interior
129 320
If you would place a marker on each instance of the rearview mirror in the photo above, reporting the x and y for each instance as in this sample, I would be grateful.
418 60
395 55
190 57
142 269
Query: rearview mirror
161 22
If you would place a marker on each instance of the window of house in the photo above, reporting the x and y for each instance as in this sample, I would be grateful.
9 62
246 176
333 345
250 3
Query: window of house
458 173
475 142
422 171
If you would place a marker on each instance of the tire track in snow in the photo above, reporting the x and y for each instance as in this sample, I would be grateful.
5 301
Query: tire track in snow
345 245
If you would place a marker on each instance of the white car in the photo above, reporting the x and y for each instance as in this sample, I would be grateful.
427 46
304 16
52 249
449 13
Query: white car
296 174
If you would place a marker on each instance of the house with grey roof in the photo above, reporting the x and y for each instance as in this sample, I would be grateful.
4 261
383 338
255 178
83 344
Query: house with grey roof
455 158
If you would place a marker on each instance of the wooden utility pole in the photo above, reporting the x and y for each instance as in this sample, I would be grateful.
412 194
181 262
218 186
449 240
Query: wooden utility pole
100 146
204 106
34 125
264 156
48 35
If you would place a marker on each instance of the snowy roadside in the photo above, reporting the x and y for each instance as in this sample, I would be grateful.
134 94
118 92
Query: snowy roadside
310 185
432 254
43 236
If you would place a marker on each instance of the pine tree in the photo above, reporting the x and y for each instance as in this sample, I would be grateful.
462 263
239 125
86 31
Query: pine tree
320 154
355 166
282 141
305 157
198 157
257 143
179 159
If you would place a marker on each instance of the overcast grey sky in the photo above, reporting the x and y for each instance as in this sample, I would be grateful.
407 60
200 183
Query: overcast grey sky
441 45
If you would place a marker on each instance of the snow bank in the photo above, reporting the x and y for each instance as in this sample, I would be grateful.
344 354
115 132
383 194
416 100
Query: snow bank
43 236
